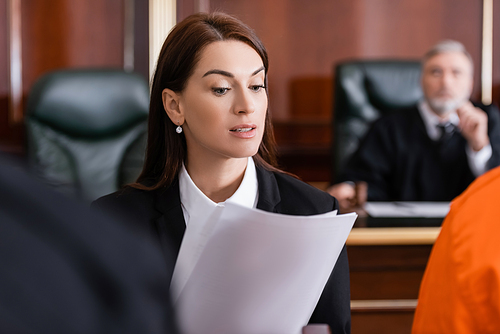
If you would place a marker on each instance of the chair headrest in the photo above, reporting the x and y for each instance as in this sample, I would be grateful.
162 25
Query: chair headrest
89 103
384 84
364 91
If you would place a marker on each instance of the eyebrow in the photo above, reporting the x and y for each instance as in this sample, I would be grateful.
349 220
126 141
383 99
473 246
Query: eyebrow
230 75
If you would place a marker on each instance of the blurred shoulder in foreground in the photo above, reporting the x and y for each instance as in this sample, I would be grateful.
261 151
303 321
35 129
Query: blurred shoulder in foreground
65 269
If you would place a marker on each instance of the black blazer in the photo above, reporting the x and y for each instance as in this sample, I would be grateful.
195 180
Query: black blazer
159 213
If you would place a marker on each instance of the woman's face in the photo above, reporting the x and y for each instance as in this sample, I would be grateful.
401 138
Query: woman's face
224 103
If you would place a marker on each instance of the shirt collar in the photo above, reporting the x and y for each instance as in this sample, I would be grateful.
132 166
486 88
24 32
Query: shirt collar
431 120
247 193
194 200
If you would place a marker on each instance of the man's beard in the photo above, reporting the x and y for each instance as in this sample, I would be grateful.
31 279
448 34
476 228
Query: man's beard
442 106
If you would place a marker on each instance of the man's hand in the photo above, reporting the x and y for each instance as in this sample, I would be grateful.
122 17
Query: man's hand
473 126
351 197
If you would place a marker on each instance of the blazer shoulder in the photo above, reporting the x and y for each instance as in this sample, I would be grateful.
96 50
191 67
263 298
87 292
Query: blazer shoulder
124 196
128 203
298 197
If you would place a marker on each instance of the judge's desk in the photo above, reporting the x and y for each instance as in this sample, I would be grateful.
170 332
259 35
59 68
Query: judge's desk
388 249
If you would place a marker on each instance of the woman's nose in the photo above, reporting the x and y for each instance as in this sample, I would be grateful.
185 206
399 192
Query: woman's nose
244 102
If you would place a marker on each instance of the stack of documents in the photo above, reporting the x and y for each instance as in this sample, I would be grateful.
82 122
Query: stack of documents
260 272
408 209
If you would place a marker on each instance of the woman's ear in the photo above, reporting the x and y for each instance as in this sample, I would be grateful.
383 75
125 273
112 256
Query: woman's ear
172 106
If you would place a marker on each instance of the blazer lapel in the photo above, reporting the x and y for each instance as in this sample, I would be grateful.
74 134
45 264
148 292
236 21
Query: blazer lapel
170 224
269 195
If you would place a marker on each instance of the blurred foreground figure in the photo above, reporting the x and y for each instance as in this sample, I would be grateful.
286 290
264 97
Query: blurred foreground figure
66 270
460 291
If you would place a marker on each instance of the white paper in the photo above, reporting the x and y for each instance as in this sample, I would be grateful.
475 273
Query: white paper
195 238
261 272
408 209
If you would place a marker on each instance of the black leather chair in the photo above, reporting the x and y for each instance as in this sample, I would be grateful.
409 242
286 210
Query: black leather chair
86 130
364 91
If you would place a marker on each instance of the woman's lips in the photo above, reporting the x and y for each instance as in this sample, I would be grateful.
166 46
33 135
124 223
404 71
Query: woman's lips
244 131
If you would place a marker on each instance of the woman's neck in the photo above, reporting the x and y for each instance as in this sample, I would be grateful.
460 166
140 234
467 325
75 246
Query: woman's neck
218 180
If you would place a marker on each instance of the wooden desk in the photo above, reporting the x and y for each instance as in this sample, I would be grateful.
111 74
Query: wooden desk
386 267
368 236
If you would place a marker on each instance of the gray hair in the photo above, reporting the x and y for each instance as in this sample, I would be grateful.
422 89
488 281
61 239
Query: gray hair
447 46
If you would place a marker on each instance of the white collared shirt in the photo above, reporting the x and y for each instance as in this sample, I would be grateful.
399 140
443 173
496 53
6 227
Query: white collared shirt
477 160
194 201
200 215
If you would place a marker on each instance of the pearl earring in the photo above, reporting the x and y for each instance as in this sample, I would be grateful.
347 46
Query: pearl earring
179 128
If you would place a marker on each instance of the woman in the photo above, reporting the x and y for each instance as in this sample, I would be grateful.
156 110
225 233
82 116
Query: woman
210 141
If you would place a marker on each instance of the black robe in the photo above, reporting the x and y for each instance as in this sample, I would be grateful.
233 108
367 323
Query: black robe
400 162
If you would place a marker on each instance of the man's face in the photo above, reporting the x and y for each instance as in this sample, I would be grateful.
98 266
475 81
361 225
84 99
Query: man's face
447 81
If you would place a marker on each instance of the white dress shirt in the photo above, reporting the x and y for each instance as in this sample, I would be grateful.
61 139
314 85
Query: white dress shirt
200 215
477 160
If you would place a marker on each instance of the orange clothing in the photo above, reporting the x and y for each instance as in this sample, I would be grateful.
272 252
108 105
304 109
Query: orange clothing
460 291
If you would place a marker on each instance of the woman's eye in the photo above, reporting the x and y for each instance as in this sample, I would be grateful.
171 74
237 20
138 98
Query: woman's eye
220 90
257 88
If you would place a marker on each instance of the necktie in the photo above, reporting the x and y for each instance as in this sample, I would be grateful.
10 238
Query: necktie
446 129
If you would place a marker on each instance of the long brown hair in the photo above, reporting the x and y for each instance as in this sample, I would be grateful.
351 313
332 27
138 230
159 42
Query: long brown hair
166 150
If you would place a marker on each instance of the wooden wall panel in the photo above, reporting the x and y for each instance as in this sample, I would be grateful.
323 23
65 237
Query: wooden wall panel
385 272
70 33
62 34
305 39
406 29
184 9
380 322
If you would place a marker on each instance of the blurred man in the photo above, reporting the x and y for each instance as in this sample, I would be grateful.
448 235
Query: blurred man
432 151
64 269
460 291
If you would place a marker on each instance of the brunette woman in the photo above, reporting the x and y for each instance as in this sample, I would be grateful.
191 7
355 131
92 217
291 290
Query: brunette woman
210 141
